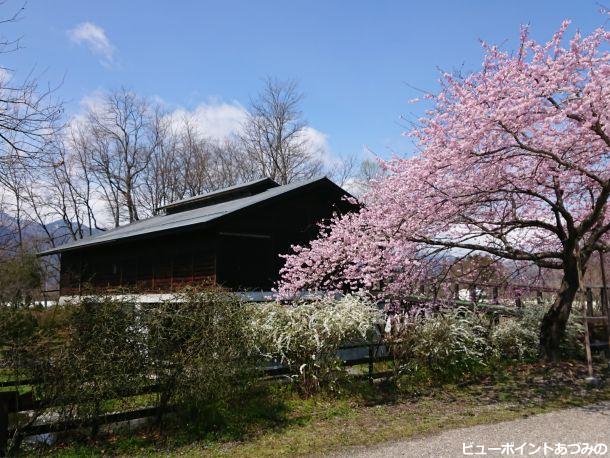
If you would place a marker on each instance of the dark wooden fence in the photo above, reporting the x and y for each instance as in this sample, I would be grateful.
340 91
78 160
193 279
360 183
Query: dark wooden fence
13 402
493 300
591 303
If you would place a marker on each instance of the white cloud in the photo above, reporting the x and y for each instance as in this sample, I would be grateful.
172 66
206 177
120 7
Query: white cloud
90 102
94 37
318 143
218 120
5 76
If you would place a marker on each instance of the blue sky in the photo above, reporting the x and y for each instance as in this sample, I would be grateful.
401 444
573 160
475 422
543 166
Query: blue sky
355 60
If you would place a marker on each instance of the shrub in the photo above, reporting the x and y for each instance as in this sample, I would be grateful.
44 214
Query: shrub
572 344
446 346
22 354
528 326
200 348
512 339
20 279
306 336
90 356
81 355
17 325
101 356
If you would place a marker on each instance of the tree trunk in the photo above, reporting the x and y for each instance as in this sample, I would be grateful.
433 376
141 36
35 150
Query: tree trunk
556 318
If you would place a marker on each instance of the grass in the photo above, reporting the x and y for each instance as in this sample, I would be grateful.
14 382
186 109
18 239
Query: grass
6 376
275 420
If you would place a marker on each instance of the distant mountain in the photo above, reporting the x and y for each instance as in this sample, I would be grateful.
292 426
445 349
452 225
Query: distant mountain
34 233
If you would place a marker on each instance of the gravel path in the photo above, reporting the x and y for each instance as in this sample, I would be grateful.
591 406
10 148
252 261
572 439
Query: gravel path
568 427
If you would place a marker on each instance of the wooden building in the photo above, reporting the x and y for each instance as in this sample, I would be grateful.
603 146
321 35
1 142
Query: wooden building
231 238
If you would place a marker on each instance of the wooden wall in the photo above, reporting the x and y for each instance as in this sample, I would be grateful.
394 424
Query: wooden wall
250 243
156 264
242 252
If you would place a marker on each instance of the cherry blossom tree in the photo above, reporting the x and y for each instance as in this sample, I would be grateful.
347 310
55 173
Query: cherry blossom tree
513 163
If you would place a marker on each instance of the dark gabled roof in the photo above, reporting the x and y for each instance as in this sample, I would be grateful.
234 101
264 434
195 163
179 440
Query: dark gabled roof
198 216
222 195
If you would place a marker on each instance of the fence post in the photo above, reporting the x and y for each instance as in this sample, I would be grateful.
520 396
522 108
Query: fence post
473 293
589 294
606 310
5 398
371 357
495 295
518 300
588 342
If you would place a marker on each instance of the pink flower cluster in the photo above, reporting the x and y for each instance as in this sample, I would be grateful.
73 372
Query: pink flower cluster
514 163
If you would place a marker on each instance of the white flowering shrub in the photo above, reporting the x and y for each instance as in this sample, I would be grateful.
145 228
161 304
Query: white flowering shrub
306 336
512 339
519 338
446 346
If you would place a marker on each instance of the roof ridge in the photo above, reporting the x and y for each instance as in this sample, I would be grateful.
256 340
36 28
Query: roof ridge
217 193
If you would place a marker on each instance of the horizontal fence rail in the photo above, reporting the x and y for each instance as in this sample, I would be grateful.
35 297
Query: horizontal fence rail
13 402
493 300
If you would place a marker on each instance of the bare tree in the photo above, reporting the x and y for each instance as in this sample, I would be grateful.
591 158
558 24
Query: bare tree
274 134
12 181
69 192
355 175
121 134
186 163
183 165
232 163
28 115
344 170
161 179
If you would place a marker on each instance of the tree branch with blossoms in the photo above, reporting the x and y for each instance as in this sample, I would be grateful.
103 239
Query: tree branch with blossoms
514 163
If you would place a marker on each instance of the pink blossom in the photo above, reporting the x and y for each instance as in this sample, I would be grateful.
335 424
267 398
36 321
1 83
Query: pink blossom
514 164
